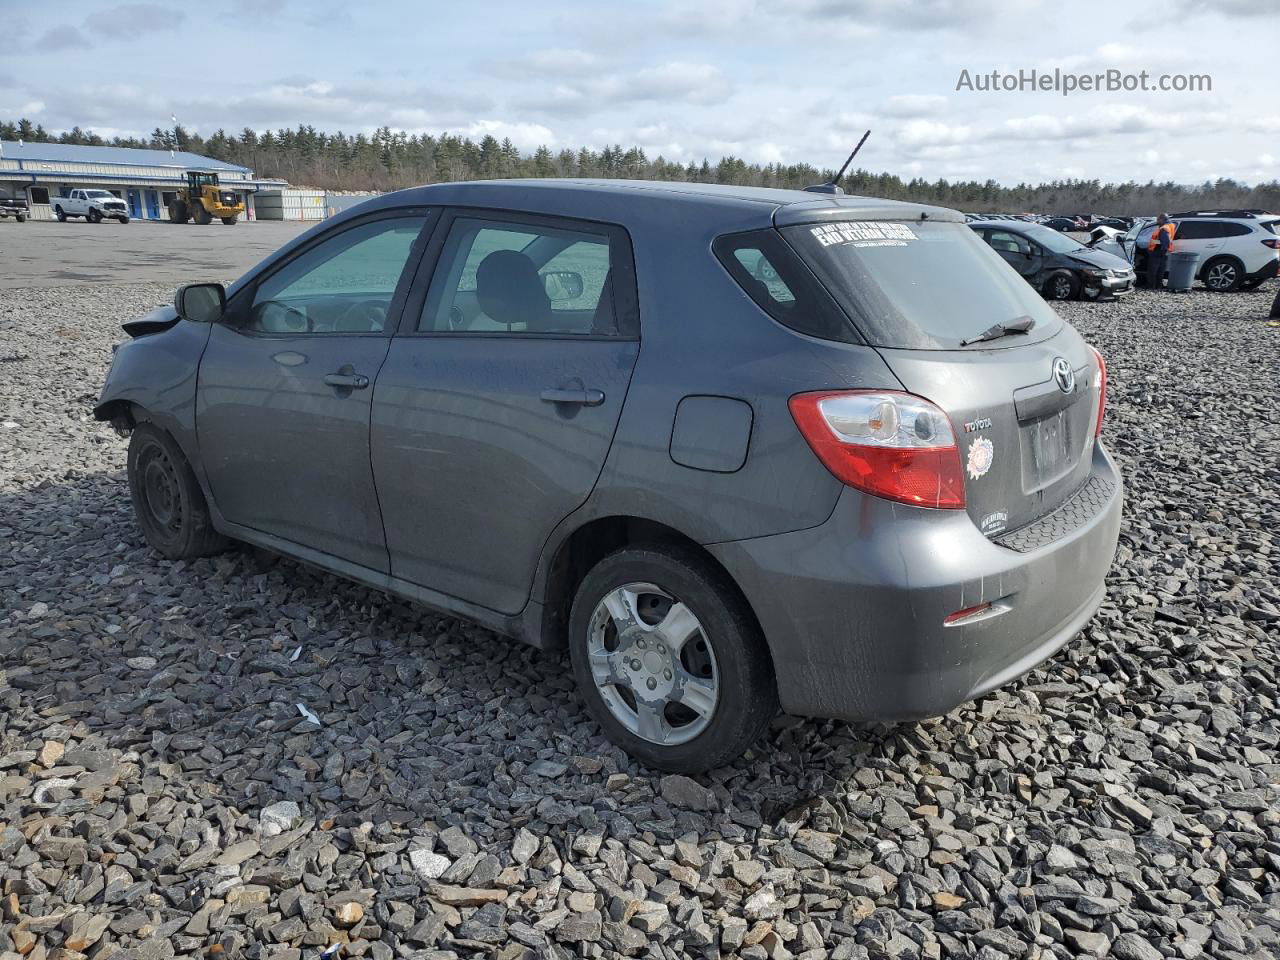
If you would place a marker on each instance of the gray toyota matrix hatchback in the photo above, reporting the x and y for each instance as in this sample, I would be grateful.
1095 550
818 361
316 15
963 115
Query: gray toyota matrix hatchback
737 448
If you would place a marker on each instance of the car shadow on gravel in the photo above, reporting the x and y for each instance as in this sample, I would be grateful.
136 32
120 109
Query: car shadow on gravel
211 670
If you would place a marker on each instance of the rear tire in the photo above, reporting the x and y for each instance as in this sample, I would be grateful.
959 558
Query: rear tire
178 212
230 221
167 499
200 215
1222 274
1061 285
21 218
688 641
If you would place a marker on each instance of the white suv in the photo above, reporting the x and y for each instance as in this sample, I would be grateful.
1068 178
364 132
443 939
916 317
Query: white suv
1239 249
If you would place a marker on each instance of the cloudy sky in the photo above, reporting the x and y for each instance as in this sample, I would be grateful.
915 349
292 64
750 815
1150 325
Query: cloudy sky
767 80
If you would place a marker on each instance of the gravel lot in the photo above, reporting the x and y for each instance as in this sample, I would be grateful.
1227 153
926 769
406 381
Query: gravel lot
161 792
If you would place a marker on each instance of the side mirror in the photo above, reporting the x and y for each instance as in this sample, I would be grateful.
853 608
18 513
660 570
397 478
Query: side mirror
562 285
201 302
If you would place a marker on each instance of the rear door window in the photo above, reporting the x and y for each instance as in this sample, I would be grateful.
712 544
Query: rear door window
919 285
531 279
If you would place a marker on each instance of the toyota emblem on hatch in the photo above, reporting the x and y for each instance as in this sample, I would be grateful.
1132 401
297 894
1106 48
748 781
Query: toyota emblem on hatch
1063 375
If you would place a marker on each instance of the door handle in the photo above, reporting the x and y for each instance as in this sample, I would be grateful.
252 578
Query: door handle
581 397
349 381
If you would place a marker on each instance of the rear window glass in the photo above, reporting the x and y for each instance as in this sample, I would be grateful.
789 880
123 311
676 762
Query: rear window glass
923 286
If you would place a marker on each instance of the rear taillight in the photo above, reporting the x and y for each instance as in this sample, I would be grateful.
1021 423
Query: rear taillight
1100 383
889 444
1272 242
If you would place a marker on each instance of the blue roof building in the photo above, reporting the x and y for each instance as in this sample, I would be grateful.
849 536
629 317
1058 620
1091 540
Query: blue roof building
145 179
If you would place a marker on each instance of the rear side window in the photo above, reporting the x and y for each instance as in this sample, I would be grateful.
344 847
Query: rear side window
771 274
530 279
1209 230
919 285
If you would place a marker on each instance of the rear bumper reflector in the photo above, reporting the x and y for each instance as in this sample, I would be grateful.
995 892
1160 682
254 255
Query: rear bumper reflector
976 614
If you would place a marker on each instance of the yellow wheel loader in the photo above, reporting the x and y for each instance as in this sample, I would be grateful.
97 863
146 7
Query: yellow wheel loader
201 200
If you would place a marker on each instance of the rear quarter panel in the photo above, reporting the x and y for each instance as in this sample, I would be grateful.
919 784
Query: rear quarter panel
701 335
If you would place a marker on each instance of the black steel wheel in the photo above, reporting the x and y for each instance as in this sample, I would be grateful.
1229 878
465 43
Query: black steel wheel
167 499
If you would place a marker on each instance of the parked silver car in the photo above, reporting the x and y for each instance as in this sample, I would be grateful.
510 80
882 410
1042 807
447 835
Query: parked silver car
736 448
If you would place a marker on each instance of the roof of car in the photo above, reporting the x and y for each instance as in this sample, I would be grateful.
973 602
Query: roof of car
1013 225
783 206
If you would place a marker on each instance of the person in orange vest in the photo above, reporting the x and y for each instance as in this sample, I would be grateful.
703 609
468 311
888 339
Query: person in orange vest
1158 249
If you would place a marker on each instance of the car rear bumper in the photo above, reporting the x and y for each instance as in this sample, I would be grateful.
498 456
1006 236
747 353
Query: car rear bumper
1269 270
853 609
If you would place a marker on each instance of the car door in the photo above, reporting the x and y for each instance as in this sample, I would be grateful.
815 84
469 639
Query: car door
282 411
1016 250
497 404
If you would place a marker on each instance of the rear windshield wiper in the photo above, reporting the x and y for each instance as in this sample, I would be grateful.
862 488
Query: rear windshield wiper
998 330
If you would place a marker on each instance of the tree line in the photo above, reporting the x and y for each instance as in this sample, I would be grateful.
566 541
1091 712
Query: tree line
389 160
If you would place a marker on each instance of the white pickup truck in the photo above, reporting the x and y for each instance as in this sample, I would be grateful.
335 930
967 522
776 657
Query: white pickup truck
94 205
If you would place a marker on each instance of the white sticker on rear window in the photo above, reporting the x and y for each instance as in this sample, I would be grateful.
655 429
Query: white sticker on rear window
863 233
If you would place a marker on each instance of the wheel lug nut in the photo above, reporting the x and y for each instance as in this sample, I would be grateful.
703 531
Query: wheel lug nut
640 644
666 674
652 683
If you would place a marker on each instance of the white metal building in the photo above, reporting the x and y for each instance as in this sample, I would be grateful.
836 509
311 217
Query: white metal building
145 179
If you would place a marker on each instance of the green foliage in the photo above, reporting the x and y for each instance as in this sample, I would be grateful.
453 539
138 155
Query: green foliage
391 160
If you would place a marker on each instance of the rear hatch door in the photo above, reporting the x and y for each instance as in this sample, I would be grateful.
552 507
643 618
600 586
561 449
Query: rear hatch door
1025 441
1023 405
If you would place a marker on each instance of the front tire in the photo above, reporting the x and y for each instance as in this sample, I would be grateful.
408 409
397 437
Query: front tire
22 218
200 215
1061 285
167 499
670 660
123 219
60 214
230 221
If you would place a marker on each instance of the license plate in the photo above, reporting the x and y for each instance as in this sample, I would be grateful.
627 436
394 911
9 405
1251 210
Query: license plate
1051 446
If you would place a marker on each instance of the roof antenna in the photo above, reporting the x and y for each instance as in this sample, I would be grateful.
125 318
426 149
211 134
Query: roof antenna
833 185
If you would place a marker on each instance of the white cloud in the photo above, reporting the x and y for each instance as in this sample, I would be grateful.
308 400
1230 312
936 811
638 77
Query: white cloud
56 39
526 136
562 61
915 105
916 133
131 19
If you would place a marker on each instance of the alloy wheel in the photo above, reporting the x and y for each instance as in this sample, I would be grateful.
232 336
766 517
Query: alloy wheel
1222 276
653 664
1061 288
